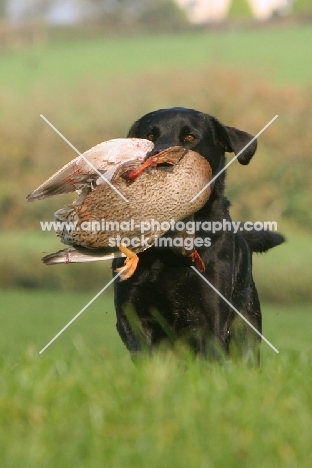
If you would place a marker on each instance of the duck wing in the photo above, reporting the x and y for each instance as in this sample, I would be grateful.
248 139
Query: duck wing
92 167
80 255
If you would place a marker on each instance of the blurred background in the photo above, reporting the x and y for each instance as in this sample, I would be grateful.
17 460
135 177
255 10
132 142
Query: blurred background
92 67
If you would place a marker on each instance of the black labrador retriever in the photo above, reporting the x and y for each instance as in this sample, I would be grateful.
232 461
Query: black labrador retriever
165 299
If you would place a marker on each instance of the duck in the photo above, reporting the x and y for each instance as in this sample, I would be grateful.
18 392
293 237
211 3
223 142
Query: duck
126 200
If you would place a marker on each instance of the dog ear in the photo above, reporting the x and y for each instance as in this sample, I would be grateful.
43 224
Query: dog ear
134 130
233 140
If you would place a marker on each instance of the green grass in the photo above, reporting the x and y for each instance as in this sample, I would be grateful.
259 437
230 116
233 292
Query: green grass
61 64
88 412
83 403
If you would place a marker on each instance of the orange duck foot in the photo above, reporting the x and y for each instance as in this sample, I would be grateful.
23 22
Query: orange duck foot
196 258
130 264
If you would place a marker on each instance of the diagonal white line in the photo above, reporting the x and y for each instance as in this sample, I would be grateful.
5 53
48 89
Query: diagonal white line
235 310
82 310
235 157
84 158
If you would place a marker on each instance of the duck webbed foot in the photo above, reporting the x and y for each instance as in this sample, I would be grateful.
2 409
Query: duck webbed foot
184 241
196 258
130 264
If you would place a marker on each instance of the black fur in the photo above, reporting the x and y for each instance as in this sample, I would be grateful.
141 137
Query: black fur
165 300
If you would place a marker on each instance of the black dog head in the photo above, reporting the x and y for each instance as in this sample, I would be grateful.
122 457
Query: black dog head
194 130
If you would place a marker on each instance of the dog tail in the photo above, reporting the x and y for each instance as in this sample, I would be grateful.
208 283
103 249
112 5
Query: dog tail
262 241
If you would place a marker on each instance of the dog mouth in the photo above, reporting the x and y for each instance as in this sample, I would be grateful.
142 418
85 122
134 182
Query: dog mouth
163 160
168 154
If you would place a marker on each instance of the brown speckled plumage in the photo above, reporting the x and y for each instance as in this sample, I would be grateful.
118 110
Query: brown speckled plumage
157 194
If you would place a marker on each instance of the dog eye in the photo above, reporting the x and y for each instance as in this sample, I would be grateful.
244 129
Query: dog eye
151 137
189 137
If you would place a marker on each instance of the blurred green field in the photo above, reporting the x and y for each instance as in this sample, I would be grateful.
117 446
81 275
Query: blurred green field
32 318
283 275
83 403
67 63
93 89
